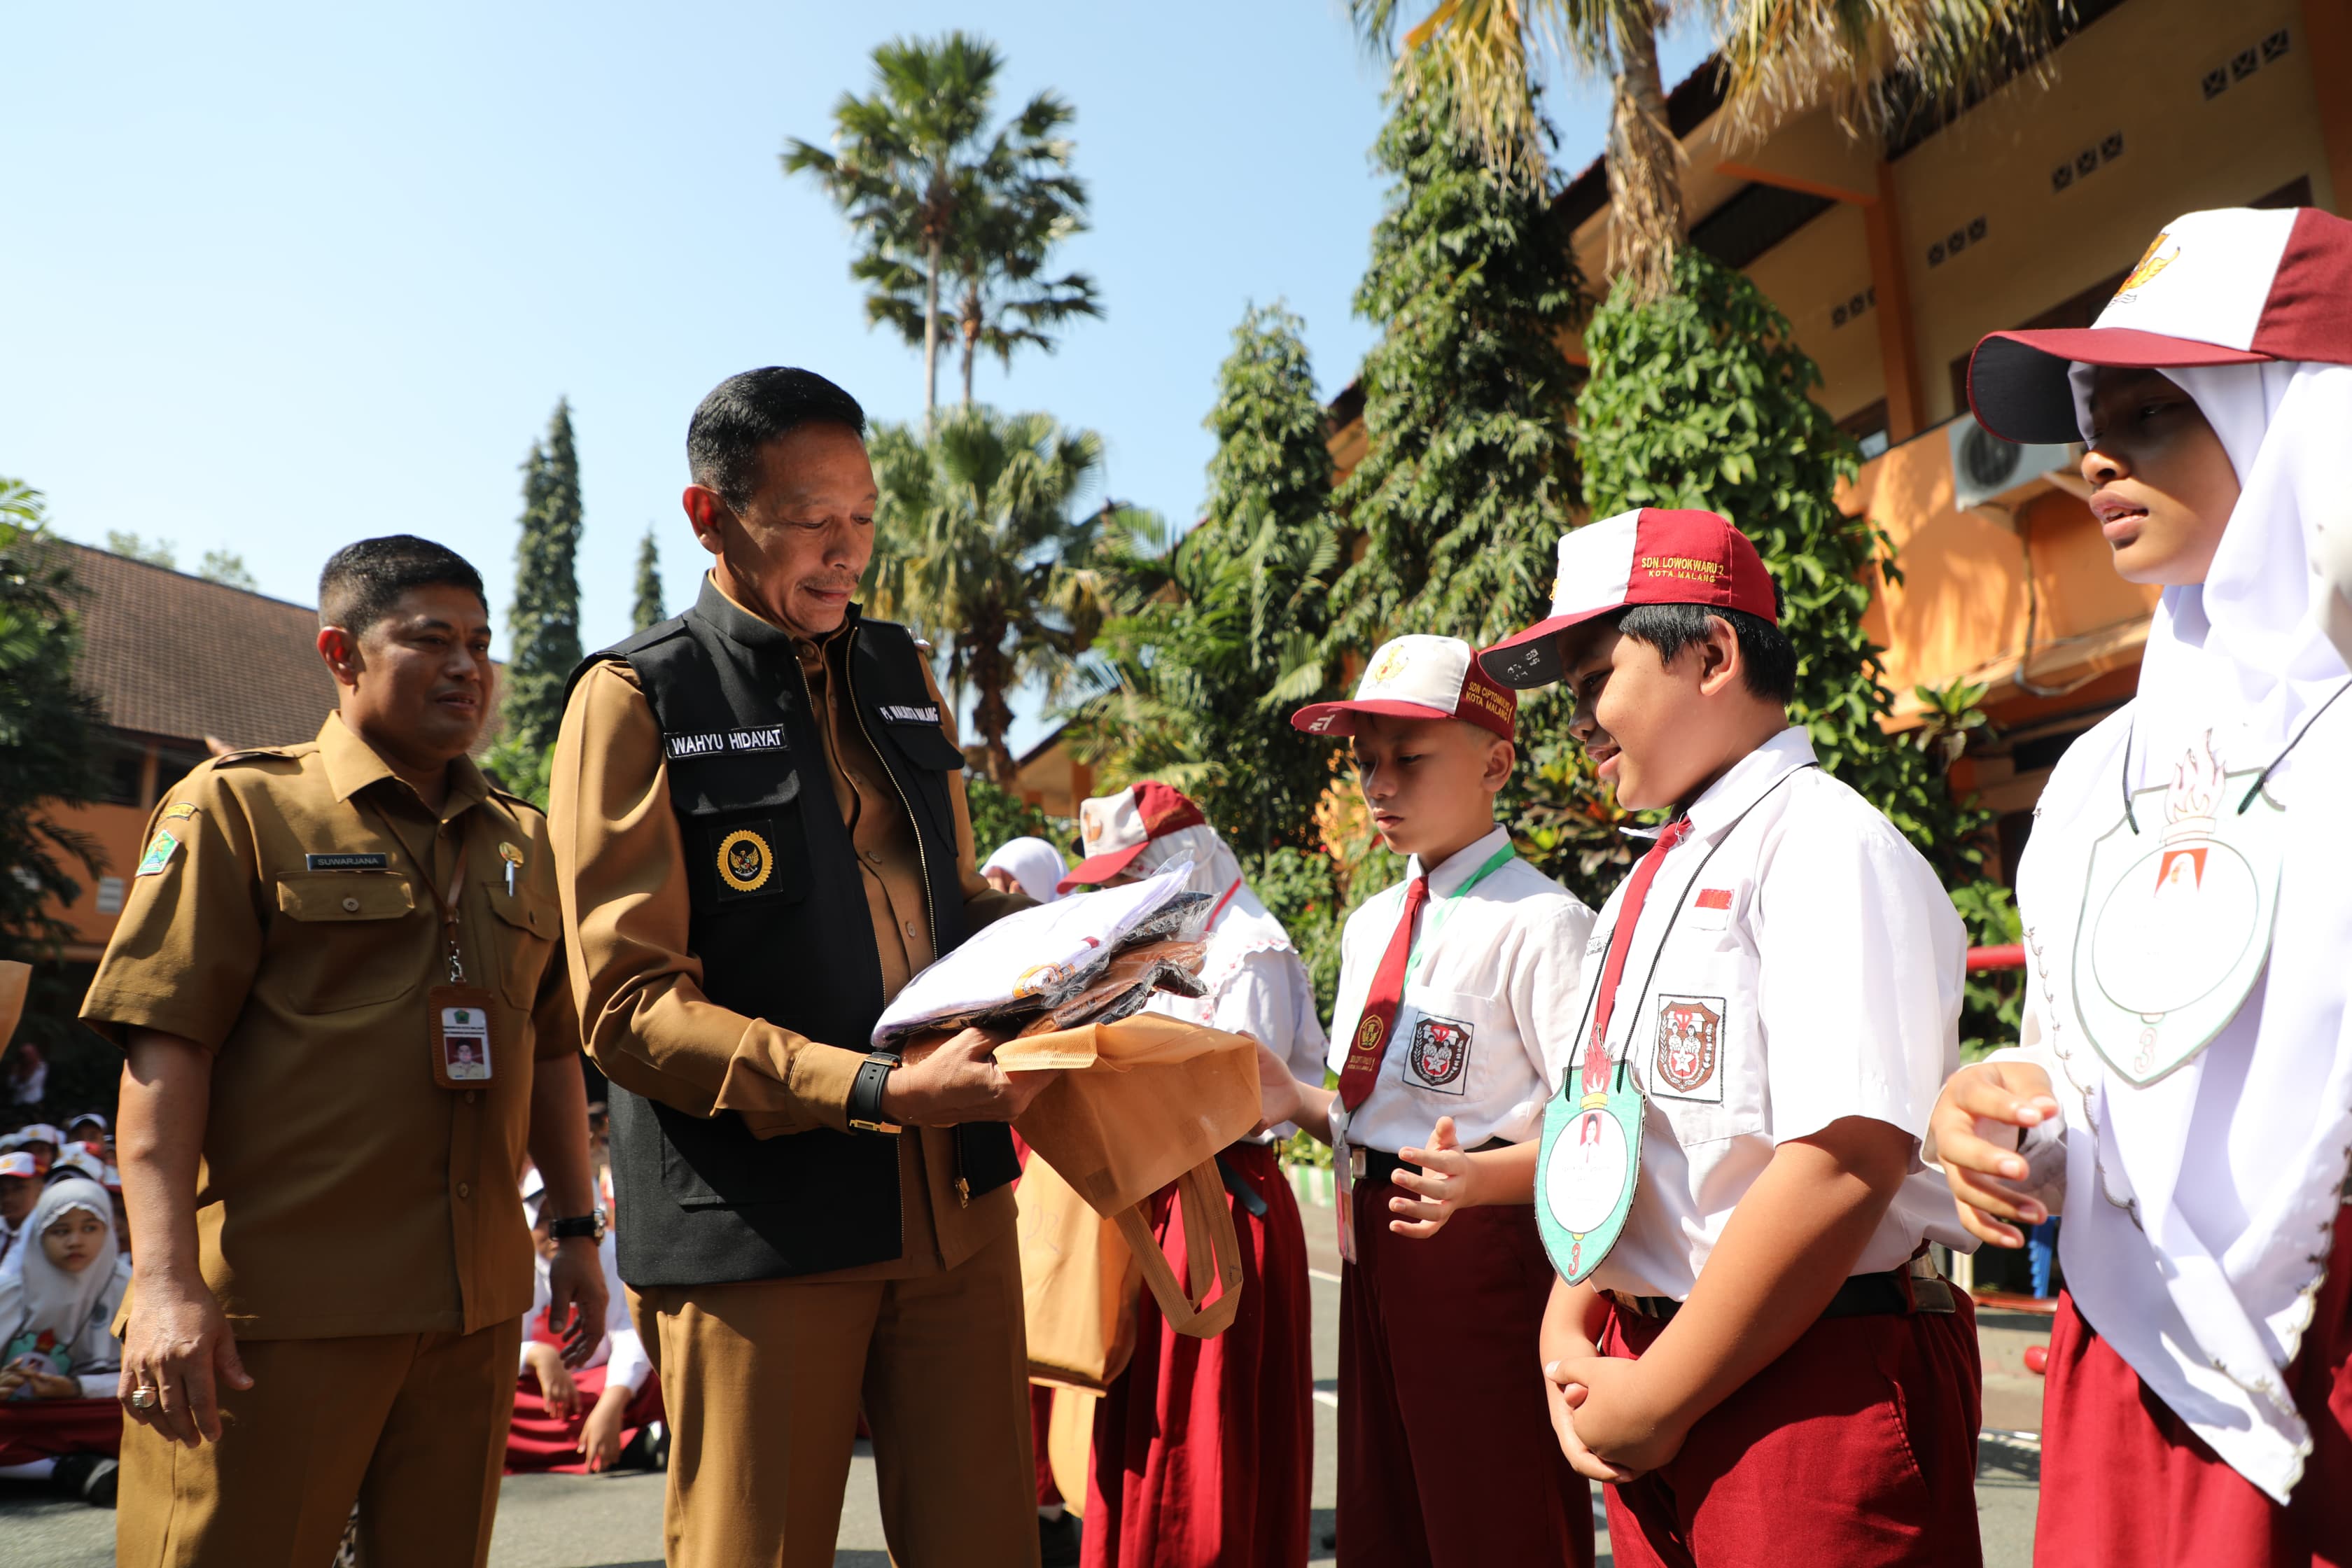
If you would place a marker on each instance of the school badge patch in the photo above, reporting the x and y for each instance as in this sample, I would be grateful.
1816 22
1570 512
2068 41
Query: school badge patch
1438 1058
1690 1046
746 860
160 850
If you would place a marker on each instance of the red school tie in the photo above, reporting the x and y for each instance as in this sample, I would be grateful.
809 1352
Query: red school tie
1380 1004
1621 938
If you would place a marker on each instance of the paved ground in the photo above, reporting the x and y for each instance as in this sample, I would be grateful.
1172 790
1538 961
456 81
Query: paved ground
598 1522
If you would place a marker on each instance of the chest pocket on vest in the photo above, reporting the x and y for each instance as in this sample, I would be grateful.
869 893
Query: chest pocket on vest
753 851
920 740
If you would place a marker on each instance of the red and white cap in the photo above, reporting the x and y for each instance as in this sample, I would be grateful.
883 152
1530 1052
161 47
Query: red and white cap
73 1158
1114 828
1419 677
1646 557
2234 286
15 1163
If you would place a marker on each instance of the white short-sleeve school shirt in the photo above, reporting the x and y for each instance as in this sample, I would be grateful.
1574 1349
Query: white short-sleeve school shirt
1494 983
1796 963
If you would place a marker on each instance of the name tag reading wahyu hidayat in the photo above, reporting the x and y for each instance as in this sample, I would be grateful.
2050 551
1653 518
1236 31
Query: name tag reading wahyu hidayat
724 742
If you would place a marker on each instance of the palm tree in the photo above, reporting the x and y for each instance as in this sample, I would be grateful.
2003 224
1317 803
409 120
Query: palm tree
977 548
1873 62
939 203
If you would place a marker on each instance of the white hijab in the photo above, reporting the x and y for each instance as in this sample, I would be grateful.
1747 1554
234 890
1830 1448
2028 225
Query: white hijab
44 1296
2200 1207
1242 924
1034 863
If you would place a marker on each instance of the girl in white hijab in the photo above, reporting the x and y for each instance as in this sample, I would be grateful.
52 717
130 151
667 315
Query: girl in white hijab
1031 866
1204 1448
2183 1093
57 1335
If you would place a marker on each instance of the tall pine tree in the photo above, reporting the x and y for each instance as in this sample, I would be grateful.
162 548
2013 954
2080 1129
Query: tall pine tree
1467 396
543 625
648 610
1216 635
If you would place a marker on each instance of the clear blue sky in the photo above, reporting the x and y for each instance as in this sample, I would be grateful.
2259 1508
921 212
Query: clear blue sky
285 278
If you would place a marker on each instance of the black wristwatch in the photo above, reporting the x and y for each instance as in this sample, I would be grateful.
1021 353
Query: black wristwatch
866 1094
590 1224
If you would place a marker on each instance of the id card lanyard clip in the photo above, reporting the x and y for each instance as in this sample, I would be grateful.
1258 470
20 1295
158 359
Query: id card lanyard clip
461 1048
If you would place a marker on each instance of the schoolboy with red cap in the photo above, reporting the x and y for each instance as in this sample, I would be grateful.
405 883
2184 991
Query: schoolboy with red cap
1746 1337
2183 1091
1453 987
1205 1449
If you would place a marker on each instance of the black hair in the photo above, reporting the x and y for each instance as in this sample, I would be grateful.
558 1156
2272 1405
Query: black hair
746 412
1768 661
361 582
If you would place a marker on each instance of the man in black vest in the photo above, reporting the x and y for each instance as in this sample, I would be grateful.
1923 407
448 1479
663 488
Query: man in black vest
761 836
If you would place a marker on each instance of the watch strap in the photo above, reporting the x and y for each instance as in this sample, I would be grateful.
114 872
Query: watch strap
590 1226
866 1094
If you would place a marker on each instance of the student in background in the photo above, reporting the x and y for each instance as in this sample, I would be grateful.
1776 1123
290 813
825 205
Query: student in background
56 1342
603 1416
20 1189
1028 865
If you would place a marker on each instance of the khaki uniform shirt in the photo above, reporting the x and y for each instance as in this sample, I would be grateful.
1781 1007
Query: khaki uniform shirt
341 1191
623 872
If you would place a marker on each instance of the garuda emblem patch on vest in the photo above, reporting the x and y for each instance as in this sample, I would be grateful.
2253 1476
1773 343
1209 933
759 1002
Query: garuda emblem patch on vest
746 860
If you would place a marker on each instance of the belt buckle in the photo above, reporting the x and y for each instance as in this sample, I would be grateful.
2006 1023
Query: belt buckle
1357 1164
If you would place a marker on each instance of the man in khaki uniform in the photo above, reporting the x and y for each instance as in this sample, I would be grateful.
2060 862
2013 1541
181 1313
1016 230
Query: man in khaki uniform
761 835
333 1263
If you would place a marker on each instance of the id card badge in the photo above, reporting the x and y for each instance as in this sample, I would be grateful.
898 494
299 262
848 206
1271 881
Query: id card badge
1343 1171
462 1048
1588 1166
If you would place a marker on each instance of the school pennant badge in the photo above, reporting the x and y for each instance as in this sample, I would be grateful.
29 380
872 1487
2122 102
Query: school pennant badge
1589 1165
2177 907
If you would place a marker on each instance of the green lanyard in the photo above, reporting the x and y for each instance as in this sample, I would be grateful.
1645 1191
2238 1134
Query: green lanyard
1430 928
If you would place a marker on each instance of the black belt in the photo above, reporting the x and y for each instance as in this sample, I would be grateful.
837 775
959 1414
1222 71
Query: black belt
1380 1165
1899 1292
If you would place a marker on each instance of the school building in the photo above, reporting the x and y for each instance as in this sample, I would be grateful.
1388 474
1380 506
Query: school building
178 667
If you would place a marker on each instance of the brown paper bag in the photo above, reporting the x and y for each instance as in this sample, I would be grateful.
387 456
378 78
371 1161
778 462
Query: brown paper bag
1078 1279
1141 1104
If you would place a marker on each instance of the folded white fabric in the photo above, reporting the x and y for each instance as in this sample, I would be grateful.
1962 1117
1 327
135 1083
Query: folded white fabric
1035 951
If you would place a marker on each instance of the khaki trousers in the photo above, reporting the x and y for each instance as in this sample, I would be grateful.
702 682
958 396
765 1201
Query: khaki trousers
412 1427
763 1381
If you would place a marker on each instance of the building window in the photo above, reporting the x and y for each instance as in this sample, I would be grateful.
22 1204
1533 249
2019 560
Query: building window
109 895
122 770
1868 428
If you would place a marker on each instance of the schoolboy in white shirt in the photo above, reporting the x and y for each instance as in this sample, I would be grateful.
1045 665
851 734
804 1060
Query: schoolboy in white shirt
1755 1350
1452 985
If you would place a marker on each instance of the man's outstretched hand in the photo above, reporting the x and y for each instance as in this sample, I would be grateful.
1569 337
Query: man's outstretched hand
961 1081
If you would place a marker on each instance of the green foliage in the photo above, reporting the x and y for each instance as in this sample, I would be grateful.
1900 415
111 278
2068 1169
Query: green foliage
1466 396
646 610
1212 640
1301 889
1702 399
227 568
155 552
520 768
999 816
543 623
1992 1002
943 210
48 738
975 547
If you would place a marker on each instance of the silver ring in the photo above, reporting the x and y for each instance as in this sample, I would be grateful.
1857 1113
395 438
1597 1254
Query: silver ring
143 1399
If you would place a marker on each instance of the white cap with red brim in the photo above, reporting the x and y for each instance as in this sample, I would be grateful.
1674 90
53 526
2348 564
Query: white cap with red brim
15 1163
1652 556
2233 286
1419 677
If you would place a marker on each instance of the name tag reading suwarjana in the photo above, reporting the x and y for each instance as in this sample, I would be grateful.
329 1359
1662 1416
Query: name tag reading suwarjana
463 1054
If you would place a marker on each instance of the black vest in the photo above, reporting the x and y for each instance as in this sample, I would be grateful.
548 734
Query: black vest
780 922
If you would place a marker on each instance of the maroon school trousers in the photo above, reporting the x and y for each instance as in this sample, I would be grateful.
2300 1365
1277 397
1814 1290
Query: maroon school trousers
1447 1457
1855 1448
2125 1481
1203 1449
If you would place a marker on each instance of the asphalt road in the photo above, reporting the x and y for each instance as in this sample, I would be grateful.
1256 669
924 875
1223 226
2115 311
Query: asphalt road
615 1521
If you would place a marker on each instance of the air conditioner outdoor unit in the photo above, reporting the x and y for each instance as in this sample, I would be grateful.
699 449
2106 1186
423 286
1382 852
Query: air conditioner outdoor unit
1987 469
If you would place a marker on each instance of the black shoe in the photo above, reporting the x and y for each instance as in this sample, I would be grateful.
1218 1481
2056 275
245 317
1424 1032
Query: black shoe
87 1477
1057 1541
